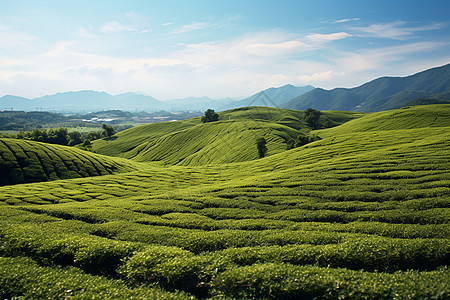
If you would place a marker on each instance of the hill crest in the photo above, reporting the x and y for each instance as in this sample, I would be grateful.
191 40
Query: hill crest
383 93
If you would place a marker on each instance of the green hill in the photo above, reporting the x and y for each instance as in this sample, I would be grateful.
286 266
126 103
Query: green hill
362 213
405 118
231 139
129 139
24 161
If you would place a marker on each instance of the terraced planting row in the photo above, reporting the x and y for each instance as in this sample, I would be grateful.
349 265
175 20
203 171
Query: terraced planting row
24 161
232 139
355 216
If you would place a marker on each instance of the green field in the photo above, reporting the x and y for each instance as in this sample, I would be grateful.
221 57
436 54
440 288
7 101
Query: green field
233 139
191 212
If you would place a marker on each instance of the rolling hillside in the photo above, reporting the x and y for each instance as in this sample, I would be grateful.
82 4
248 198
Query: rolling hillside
362 213
380 94
231 139
23 161
413 117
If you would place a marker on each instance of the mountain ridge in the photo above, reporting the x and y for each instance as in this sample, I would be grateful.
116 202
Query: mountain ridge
271 97
86 100
379 94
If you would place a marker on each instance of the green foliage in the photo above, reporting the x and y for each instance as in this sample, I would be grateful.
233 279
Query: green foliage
28 161
400 119
19 120
145 267
93 135
59 136
301 140
312 117
229 140
284 281
261 147
210 116
108 130
427 101
93 254
23 278
361 213
75 138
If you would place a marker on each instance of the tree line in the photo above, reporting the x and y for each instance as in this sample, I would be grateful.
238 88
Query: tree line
62 136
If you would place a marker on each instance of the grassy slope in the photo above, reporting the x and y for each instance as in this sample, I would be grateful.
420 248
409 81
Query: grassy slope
24 161
127 140
404 118
218 142
298 223
232 139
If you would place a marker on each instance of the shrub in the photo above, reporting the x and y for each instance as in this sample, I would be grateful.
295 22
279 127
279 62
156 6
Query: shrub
22 278
145 266
284 281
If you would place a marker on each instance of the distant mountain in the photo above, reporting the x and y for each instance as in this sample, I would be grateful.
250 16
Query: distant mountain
83 101
71 100
380 94
272 97
197 103
89 100
129 101
16 103
95 101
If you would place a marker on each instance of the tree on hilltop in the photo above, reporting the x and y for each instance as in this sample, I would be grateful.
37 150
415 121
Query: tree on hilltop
108 130
210 116
312 117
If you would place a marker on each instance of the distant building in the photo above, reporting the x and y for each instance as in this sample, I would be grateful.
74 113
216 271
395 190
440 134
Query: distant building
99 120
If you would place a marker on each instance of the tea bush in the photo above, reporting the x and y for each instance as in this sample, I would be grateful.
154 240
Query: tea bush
362 214
23 278
284 281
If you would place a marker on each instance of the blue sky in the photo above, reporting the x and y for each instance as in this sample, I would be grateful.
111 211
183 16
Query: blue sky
175 49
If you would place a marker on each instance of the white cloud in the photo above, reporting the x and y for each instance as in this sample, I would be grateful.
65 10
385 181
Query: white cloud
372 59
231 67
16 42
63 68
249 51
114 27
347 20
320 76
318 37
275 49
191 27
132 22
194 69
367 64
84 32
395 30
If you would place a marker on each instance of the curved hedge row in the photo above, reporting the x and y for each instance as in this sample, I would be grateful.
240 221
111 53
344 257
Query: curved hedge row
24 161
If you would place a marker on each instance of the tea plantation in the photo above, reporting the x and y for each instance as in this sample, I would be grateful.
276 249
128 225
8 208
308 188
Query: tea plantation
233 139
27 161
190 212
